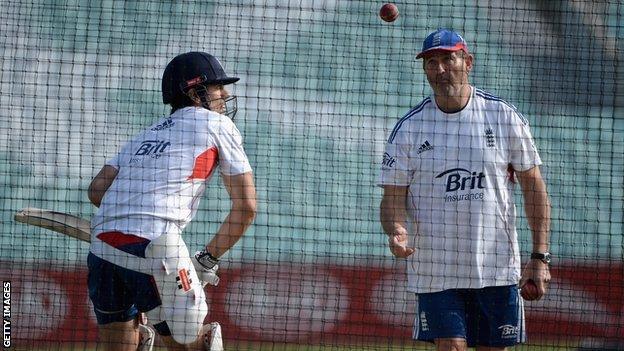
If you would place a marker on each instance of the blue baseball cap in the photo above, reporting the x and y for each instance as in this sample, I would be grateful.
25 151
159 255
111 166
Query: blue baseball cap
443 40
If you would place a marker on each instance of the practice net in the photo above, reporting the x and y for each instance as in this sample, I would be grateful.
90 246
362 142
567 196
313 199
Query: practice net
322 85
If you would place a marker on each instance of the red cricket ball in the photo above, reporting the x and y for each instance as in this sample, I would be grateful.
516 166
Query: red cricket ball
389 12
529 291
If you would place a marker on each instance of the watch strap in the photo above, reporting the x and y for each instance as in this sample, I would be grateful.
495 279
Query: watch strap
544 257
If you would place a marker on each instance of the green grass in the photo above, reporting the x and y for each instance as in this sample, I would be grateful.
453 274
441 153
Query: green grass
242 346
411 346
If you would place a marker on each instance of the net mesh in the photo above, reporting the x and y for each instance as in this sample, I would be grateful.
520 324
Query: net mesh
322 85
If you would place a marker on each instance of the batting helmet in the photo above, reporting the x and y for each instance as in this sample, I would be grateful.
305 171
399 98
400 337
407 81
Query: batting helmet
188 70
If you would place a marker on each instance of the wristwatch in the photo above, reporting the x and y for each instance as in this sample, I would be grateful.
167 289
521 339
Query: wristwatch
544 257
206 259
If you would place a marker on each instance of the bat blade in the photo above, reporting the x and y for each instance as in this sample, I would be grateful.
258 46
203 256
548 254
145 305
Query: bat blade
59 222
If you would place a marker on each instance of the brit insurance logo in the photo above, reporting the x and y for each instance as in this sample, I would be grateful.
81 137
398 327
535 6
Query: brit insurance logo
461 179
150 148
509 331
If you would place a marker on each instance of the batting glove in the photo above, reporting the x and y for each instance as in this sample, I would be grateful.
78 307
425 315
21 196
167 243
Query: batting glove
206 266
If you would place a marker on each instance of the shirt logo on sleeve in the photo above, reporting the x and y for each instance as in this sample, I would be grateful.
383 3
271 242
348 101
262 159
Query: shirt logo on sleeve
388 161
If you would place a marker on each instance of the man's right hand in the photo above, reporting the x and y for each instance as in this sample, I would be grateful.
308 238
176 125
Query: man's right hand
398 243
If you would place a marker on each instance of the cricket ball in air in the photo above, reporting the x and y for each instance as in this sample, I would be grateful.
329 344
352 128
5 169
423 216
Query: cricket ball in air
389 12
529 291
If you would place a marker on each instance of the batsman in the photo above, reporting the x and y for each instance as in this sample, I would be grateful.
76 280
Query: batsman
149 192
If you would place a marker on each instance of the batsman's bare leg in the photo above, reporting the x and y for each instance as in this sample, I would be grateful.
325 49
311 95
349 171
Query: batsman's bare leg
209 339
172 345
118 336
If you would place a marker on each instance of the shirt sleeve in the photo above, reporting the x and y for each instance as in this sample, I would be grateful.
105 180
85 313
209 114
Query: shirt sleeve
115 160
232 157
524 155
395 163
121 156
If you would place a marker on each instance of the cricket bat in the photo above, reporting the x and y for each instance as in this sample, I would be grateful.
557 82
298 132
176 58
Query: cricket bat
80 228
74 226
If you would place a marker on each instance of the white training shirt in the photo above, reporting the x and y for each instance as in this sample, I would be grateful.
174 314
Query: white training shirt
460 205
162 174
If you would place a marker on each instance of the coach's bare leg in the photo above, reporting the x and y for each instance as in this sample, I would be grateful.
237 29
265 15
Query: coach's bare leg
172 345
118 336
451 344
461 345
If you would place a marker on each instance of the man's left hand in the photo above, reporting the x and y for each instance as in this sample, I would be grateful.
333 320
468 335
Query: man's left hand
206 270
539 272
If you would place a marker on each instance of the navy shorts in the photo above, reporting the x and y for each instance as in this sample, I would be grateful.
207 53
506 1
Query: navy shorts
491 316
119 294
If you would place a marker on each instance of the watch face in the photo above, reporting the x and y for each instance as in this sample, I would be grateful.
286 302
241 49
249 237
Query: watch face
544 257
